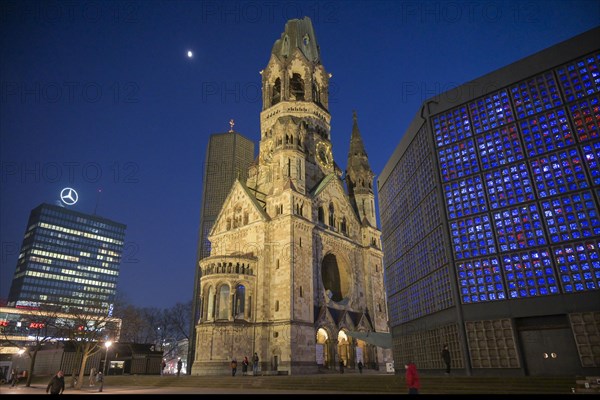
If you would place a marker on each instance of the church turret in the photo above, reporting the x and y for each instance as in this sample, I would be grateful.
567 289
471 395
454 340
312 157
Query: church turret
295 122
359 178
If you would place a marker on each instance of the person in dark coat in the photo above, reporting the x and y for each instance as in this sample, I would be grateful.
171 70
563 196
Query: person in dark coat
446 358
245 364
56 384
179 365
412 378
233 367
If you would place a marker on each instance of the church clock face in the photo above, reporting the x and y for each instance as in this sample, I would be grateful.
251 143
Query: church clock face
324 155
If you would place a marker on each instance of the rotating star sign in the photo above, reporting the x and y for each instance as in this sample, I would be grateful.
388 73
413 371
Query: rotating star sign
190 54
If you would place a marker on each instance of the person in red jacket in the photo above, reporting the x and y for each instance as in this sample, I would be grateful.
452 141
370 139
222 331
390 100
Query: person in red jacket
412 378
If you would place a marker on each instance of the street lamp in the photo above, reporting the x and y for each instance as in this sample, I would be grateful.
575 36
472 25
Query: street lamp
107 344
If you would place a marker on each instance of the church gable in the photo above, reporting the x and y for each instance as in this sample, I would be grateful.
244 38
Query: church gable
330 193
239 209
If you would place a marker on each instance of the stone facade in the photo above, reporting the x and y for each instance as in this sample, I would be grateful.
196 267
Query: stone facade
296 261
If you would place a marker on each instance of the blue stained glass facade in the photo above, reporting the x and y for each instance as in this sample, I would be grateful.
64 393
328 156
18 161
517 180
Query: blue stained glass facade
578 266
472 237
491 112
571 217
559 173
517 167
580 78
481 280
491 200
463 197
499 147
519 228
452 126
529 274
458 160
508 186
546 132
585 115
535 95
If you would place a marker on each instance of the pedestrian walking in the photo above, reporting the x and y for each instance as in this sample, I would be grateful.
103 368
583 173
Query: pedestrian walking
56 384
179 365
360 366
446 358
341 366
100 380
412 378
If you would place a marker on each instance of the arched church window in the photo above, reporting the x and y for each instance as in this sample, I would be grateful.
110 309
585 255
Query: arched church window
321 215
239 302
223 302
297 87
210 303
343 225
331 215
276 98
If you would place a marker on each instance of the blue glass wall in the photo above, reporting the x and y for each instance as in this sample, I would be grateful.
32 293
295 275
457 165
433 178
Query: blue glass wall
521 184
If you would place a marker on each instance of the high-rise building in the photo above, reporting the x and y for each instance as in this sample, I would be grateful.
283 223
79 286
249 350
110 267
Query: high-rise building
489 211
68 259
295 264
228 157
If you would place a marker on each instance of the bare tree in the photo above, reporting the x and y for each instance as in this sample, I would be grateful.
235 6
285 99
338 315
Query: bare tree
39 327
88 332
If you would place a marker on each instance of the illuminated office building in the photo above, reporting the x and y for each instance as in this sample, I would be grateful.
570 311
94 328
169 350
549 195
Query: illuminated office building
489 209
68 259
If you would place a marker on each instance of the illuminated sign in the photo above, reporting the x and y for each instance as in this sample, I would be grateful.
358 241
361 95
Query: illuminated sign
69 196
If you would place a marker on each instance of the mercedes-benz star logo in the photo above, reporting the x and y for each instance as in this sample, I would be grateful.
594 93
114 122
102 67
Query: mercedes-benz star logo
69 196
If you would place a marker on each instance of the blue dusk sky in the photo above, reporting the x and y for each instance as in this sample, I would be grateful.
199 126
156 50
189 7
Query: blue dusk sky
102 95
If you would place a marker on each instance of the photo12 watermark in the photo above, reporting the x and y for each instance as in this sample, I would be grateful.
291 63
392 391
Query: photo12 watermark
71 172
268 12
68 92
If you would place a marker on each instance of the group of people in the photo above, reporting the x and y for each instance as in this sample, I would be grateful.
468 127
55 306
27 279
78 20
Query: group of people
412 376
245 364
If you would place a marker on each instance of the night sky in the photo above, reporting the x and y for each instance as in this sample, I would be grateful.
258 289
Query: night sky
102 95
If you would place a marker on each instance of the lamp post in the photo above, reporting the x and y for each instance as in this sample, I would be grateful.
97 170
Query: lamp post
107 345
102 374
